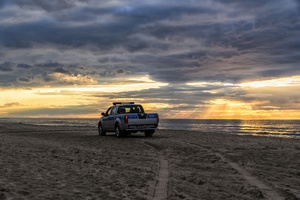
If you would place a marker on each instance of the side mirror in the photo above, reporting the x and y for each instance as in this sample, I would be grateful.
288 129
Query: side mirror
103 114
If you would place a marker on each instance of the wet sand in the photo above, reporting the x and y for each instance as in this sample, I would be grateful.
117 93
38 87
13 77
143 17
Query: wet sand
44 162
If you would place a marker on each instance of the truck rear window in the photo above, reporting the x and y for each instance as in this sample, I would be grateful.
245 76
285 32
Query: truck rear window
130 109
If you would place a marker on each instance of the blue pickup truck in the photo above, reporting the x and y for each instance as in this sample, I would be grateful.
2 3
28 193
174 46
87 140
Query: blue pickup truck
125 118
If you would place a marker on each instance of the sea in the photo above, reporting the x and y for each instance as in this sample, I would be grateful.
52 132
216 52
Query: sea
272 128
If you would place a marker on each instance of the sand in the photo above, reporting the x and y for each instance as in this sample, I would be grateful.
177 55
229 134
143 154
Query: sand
43 162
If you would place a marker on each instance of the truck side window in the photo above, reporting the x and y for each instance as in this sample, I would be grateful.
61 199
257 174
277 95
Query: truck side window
113 110
106 114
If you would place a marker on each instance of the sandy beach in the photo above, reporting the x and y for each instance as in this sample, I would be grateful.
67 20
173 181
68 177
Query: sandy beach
44 162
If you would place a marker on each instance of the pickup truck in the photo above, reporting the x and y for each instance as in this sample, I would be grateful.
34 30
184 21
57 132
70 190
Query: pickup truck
126 118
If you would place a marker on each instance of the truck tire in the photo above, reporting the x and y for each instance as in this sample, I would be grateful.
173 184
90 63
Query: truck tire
149 133
119 132
100 130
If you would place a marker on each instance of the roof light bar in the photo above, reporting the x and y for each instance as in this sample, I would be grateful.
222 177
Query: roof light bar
115 103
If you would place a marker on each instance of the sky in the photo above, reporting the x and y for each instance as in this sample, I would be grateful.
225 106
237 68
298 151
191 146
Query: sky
208 59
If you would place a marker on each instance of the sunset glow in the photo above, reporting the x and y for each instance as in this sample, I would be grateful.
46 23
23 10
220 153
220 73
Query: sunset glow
54 98
28 100
279 82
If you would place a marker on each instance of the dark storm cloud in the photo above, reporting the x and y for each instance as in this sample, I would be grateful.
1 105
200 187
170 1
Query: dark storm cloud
104 36
50 65
7 80
24 66
24 79
6 67
120 71
62 70
41 4
53 5
174 41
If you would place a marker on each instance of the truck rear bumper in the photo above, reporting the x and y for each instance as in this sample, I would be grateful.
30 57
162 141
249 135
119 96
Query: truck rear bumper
145 129
141 127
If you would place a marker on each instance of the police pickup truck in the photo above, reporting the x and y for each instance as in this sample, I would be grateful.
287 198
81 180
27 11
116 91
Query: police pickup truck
125 118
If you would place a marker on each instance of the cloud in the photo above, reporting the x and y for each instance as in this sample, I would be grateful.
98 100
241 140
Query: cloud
120 71
24 66
79 79
174 94
24 79
54 5
62 70
194 36
76 42
6 67
13 104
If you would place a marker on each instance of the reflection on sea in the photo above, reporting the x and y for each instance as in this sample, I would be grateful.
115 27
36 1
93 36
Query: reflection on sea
274 128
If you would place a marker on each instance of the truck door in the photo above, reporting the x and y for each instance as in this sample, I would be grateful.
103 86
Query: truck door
105 119
111 119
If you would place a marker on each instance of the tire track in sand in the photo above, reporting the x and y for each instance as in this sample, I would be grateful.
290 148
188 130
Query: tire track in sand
268 192
161 186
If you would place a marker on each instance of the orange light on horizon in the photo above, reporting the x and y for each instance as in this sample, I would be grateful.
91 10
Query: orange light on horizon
24 100
279 82
259 95
275 82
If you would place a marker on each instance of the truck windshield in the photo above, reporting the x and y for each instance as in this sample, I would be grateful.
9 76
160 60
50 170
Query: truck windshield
130 109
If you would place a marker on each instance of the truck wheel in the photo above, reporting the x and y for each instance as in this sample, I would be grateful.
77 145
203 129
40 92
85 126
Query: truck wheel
119 132
100 130
149 133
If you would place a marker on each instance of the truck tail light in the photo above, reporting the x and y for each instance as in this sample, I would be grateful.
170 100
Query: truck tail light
157 118
126 119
